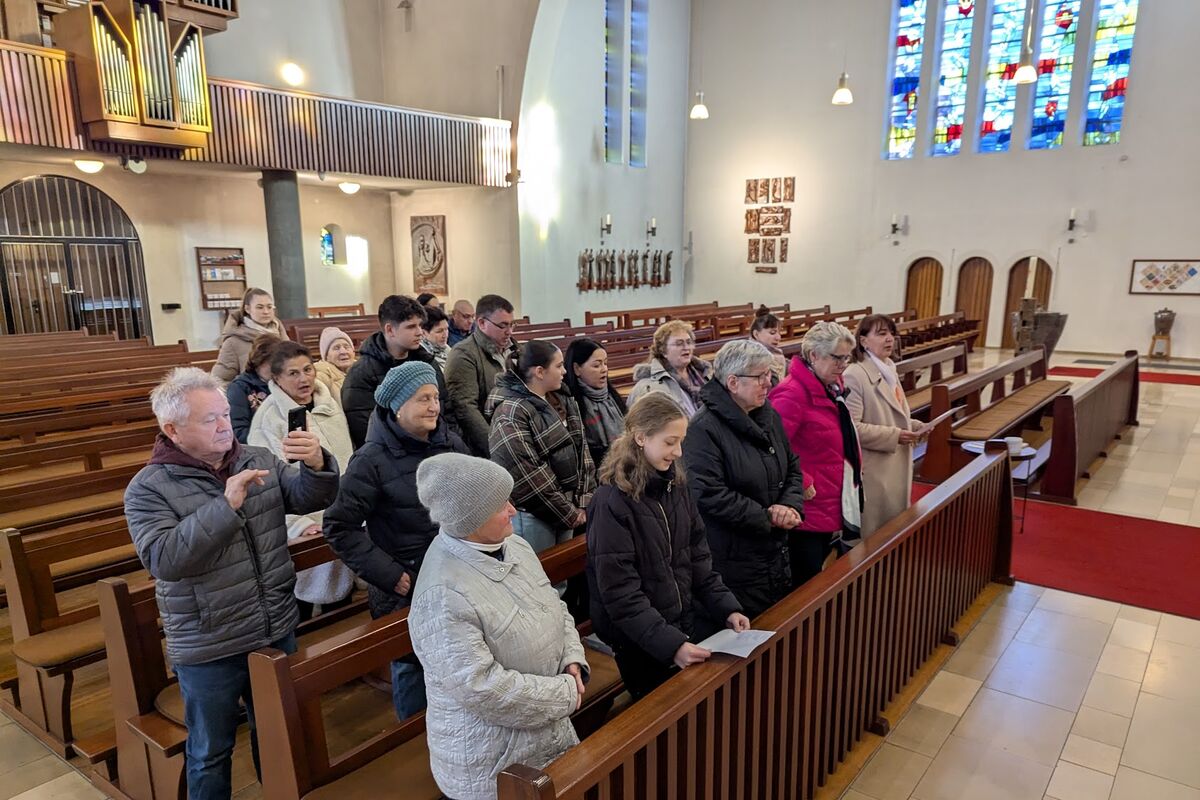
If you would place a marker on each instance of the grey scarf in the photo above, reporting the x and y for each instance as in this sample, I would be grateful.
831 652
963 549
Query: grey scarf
602 419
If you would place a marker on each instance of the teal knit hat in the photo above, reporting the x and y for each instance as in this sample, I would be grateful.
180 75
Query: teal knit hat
402 382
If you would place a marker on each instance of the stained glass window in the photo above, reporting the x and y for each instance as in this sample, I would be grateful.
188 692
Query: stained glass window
1110 71
639 44
906 77
958 20
1056 58
1000 87
326 247
614 79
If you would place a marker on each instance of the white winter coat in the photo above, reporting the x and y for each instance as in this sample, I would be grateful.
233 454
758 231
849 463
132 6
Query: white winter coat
494 638
329 582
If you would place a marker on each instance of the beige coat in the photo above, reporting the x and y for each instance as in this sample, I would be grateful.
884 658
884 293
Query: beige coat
887 468
332 377
236 340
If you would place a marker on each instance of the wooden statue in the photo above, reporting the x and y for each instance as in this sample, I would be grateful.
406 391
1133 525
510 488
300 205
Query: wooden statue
646 267
633 269
656 270
621 270
667 268
591 258
581 284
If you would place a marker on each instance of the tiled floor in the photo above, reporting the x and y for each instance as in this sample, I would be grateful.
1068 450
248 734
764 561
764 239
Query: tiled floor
1054 695
1051 695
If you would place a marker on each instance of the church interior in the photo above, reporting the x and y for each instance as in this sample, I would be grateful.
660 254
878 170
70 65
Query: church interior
1026 627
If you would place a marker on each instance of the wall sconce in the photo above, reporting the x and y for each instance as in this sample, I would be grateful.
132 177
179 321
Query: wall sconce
606 225
898 226
1073 225
652 227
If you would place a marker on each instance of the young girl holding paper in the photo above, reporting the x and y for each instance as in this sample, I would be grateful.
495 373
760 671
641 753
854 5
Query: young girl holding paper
653 590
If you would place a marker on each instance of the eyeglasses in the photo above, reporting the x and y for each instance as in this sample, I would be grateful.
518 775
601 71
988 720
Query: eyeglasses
681 343
503 326
840 359
762 377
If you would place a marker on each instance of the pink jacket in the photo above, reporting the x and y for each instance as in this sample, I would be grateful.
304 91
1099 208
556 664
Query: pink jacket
810 420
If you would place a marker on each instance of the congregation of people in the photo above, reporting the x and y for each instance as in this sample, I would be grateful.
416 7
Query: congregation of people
441 456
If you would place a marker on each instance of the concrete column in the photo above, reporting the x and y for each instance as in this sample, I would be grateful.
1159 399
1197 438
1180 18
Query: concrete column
285 240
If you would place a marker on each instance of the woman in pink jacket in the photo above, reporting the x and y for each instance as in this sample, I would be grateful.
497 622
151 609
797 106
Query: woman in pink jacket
811 402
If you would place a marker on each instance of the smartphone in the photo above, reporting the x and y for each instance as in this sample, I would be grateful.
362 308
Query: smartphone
297 421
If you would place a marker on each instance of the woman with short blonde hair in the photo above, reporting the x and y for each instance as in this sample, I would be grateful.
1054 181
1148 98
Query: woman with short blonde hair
672 367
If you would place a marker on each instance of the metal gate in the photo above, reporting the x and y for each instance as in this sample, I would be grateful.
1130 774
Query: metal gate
71 258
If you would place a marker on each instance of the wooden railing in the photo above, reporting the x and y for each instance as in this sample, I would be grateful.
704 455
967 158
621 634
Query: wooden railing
266 128
778 723
1086 420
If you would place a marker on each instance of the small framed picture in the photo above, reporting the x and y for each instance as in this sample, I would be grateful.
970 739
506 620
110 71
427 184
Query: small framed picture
768 251
751 191
776 190
783 248
751 220
752 251
789 190
1159 276
764 190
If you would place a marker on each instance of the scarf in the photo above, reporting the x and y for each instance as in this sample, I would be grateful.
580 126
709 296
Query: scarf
852 488
887 368
167 452
602 419
693 384
254 326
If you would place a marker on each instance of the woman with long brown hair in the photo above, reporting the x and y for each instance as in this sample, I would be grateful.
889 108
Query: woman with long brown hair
653 590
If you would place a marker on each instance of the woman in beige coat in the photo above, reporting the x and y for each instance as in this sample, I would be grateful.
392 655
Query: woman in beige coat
886 429
242 327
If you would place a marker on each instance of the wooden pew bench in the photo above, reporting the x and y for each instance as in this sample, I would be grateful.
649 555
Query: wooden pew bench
910 369
1009 411
68 364
1086 420
322 312
59 426
54 500
89 447
294 736
639 317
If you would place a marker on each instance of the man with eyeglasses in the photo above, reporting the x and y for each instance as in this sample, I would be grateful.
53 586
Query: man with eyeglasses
462 319
473 366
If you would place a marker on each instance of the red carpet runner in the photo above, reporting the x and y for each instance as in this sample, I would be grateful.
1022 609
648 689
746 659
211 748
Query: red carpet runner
1148 377
1139 562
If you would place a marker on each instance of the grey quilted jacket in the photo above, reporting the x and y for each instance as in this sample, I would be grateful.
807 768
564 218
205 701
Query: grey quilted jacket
224 577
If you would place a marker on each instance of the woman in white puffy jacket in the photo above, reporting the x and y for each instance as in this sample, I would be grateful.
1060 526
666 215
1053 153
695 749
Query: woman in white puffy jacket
504 667
294 384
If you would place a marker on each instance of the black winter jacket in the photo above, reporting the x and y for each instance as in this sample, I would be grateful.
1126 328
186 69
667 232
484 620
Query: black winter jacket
379 488
245 394
649 570
358 392
738 465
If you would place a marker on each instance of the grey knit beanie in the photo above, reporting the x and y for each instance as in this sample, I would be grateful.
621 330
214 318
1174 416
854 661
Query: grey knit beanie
402 382
462 492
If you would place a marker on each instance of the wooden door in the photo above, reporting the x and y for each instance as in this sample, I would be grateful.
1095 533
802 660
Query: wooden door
974 295
924 292
1018 276
36 288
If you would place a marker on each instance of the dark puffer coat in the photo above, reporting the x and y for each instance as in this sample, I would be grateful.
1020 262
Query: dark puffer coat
738 465
649 569
358 392
245 394
380 489
224 577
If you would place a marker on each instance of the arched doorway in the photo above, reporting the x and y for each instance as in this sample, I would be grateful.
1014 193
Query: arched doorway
71 258
1018 278
974 294
924 292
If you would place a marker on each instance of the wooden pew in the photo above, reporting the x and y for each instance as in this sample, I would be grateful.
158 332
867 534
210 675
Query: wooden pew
632 317
1007 412
51 502
71 347
776 724
321 312
95 361
308 331
27 387
56 425
89 447
909 369
49 644
922 335
15 339
1086 421
293 738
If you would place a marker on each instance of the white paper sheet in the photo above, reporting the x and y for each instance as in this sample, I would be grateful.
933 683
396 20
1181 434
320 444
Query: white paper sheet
736 644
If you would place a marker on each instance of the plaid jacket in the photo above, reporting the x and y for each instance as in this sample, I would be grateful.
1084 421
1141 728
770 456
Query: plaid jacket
552 469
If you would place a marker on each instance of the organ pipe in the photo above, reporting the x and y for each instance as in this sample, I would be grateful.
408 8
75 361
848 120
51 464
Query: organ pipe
115 74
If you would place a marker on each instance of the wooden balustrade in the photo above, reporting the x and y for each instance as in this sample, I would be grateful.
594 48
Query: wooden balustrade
1086 420
778 723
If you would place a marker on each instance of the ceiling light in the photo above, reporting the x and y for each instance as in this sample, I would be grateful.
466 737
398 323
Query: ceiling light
88 165
133 164
1026 74
349 187
699 110
292 73
842 96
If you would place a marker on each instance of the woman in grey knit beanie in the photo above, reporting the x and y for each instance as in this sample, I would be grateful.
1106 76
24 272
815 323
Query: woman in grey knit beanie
504 667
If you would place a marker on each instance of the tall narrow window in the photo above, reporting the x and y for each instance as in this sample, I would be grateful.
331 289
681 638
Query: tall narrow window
958 22
639 46
1110 71
614 80
906 77
1060 24
1000 89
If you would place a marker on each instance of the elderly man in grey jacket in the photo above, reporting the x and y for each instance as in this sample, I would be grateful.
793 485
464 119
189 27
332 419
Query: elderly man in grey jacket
207 518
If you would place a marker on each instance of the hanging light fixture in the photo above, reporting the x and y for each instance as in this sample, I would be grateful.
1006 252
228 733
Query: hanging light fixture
88 165
699 110
1026 72
842 96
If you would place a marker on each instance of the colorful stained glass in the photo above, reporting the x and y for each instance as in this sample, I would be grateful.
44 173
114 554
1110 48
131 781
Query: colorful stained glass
614 80
1000 87
1115 24
958 21
1056 58
906 77
326 247
639 45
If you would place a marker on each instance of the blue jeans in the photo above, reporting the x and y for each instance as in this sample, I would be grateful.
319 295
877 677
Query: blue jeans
210 710
539 535
408 688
